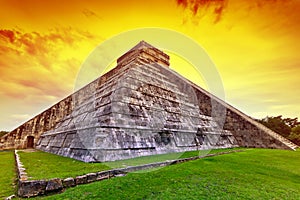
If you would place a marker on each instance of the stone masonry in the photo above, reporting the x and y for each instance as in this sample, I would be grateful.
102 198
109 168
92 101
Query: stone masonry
141 107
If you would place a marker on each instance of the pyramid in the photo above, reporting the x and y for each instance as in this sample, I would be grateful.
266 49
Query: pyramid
139 108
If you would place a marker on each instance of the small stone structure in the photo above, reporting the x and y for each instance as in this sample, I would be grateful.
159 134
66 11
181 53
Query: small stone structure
141 107
31 188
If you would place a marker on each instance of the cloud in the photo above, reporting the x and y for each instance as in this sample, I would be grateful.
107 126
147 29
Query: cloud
199 8
88 13
41 55
216 8
39 69
8 35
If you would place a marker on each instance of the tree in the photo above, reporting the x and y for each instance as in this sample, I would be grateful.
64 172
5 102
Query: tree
277 124
291 122
287 127
3 133
295 135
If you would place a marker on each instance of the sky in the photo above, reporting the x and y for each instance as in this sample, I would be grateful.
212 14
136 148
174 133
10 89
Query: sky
253 44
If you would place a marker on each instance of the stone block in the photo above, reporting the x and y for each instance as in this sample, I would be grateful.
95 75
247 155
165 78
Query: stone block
103 175
118 172
54 185
31 188
91 177
10 197
68 182
81 180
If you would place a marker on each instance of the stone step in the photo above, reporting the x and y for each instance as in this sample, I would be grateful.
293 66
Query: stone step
246 117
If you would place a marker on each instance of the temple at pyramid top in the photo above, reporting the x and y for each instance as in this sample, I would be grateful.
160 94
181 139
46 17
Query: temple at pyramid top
144 52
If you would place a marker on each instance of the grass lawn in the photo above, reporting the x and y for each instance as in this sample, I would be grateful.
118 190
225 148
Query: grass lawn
163 157
252 174
42 165
8 173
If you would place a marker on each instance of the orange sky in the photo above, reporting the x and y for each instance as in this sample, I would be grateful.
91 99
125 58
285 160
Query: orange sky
254 45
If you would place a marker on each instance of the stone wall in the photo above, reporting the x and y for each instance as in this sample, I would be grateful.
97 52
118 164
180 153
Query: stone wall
30 132
139 111
26 135
141 107
32 188
247 131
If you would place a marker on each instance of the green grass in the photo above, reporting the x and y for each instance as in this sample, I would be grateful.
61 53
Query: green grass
42 165
8 173
252 174
163 157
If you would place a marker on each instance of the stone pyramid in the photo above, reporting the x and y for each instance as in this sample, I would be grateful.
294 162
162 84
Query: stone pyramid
141 107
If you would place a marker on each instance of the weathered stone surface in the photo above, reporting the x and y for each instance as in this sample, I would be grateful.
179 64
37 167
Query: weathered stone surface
68 182
20 168
81 180
139 108
118 172
27 135
143 119
91 177
31 188
103 175
54 185
10 197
